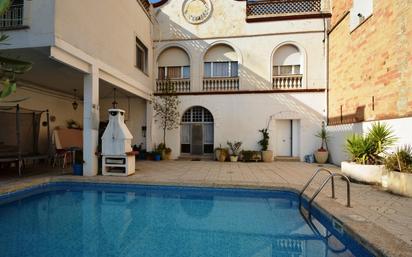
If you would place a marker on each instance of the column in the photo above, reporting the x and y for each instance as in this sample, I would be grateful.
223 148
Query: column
91 122
149 125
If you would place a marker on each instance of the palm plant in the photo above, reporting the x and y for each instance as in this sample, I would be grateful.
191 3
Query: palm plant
400 160
323 134
382 135
369 148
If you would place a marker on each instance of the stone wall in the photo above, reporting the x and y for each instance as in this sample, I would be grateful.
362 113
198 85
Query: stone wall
370 74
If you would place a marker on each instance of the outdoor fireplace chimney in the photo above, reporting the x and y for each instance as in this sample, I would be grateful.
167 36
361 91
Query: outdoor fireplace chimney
118 158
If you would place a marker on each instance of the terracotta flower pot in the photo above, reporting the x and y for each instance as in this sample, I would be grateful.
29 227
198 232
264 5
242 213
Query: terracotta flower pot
321 156
267 156
166 155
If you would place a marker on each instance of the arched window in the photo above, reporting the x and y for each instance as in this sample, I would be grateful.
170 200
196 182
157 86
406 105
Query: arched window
173 63
197 132
221 61
221 69
173 73
287 67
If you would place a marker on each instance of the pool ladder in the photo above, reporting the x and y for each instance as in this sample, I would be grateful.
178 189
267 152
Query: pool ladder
330 177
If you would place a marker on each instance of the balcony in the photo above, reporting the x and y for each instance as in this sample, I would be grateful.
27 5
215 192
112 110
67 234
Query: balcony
172 85
285 9
13 18
287 82
221 84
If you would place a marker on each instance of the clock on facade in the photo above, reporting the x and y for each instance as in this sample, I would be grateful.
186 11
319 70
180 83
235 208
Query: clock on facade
197 11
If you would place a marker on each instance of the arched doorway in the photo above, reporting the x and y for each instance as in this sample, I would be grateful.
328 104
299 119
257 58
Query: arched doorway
197 132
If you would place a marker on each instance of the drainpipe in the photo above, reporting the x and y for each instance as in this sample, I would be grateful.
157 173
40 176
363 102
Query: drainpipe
326 47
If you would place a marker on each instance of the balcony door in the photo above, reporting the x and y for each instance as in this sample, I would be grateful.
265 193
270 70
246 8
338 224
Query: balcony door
196 132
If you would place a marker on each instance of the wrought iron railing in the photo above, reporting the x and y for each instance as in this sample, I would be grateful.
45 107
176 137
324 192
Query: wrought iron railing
172 85
286 82
221 84
282 7
13 18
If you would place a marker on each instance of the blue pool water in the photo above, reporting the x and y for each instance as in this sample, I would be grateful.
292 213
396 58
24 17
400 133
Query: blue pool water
87 220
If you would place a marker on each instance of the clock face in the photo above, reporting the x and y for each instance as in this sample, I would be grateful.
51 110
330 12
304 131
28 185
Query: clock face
197 11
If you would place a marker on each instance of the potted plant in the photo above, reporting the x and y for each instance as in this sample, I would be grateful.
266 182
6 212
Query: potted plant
249 156
322 154
267 155
217 152
223 154
166 152
235 149
367 154
157 156
399 177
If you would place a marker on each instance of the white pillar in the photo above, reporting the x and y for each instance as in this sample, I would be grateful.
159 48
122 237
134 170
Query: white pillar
149 125
91 122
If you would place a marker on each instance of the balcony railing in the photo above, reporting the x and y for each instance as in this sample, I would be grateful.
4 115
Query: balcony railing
288 82
13 18
221 84
174 85
283 8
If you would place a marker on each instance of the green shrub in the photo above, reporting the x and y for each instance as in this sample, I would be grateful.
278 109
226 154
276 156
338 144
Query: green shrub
369 148
264 142
248 156
400 160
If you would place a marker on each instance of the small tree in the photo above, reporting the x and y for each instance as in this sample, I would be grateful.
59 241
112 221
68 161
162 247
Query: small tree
9 67
166 109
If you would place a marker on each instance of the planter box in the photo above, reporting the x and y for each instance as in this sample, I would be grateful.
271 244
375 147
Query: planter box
400 183
371 174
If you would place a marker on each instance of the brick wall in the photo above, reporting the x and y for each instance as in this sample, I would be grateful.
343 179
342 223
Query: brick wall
370 68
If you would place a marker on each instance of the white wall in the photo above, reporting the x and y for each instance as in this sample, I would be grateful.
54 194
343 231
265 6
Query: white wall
253 42
240 117
106 30
227 20
59 105
255 69
401 128
39 17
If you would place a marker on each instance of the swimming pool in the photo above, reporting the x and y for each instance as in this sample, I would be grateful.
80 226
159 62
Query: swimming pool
83 219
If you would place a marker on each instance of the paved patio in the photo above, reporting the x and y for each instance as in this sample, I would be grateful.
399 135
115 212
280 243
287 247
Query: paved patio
375 213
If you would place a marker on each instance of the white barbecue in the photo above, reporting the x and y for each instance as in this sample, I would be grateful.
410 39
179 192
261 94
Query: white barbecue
118 159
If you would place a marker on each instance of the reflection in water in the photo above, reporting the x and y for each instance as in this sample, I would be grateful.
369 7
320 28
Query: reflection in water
195 207
143 223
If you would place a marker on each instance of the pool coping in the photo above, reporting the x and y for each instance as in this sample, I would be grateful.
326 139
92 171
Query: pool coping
374 238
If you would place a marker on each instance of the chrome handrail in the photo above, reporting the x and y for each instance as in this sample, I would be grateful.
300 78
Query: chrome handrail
313 177
326 181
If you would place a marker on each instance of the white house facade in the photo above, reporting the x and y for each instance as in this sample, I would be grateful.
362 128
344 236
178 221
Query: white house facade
237 67
241 66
